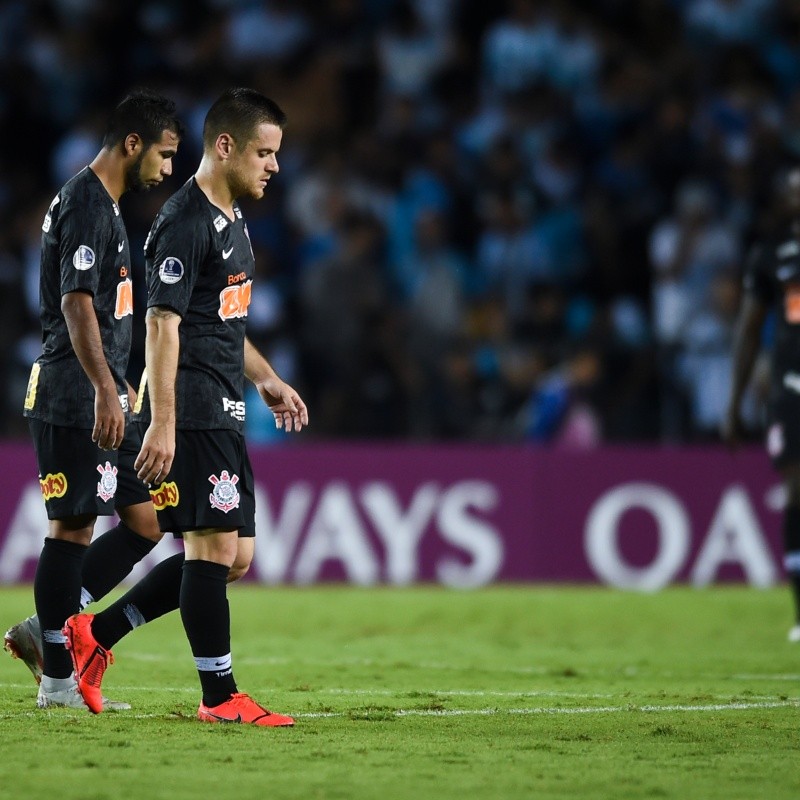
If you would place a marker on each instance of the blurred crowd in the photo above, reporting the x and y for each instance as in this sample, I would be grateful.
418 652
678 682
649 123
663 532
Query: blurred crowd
523 220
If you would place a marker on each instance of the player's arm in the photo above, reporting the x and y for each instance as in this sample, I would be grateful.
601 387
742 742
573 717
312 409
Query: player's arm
84 333
162 345
285 403
746 346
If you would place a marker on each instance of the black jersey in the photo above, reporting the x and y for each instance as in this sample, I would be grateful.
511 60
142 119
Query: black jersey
772 275
84 248
200 265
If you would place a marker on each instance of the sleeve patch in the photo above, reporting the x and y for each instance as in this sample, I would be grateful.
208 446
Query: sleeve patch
171 270
83 258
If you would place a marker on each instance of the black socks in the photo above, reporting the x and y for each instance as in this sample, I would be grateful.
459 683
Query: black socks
57 594
206 619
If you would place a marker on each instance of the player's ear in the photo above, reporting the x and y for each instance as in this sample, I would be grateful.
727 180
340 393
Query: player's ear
224 145
132 144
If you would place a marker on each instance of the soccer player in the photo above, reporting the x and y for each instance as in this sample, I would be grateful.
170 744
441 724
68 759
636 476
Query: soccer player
200 273
772 283
77 397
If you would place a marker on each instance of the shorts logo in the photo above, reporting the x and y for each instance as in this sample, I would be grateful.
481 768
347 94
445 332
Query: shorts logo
171 270
166 495
53 485
83 258
107 485
225 495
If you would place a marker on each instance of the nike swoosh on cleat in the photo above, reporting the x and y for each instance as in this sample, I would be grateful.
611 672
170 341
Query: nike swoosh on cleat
224 719
226 253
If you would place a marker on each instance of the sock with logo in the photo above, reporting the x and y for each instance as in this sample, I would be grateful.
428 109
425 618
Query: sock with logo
791 553
57 594
206 619
156 594
110 559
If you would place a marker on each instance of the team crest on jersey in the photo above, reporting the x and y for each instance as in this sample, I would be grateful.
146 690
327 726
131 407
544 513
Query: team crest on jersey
225 495
220 222
107 485
83 258
171 270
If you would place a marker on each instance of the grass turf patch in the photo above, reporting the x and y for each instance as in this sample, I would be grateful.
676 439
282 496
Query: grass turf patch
510 692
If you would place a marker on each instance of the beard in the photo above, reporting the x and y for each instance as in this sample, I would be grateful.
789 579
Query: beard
133 180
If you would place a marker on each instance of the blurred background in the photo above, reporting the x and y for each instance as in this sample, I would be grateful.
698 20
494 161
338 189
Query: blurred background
499 222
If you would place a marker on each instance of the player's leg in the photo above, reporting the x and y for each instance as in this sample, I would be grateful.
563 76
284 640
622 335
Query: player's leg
109 558
791 540
112 556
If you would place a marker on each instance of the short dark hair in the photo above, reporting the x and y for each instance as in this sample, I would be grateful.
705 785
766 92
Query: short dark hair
239 112
143 112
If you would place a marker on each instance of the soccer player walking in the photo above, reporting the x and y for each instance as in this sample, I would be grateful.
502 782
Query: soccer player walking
772 283
77 397
200 271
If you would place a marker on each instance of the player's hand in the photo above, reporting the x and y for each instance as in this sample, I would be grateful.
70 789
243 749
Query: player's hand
155 459
285 404
109 419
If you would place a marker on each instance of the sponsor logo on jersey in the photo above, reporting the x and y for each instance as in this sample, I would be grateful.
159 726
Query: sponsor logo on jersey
225 495
165 495
788 249
107 485
83 258
220 222
171 270
226 254
48 217
53 485
124 304
123 401
234 301
236 278
236 408
120 247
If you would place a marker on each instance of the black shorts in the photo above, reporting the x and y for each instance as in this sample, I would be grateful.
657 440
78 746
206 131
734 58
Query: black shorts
131 490
783 431
210 485
77 477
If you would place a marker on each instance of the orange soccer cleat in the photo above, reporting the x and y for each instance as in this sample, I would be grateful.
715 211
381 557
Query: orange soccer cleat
89 659
241 708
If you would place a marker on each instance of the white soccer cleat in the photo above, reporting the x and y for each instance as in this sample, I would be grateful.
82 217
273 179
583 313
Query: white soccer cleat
794 634
71 698
24 641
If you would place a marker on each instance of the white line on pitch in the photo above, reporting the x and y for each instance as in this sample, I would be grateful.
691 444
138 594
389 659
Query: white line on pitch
483 712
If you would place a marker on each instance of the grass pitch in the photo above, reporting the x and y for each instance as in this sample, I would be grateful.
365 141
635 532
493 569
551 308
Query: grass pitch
507 692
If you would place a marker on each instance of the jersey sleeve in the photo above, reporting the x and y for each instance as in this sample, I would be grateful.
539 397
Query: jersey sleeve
757 280
176 250
83 239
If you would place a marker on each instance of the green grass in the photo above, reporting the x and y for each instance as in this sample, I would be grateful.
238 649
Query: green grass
508 692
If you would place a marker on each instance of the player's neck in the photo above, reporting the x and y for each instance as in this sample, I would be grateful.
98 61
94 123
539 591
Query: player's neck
213 184
111 173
